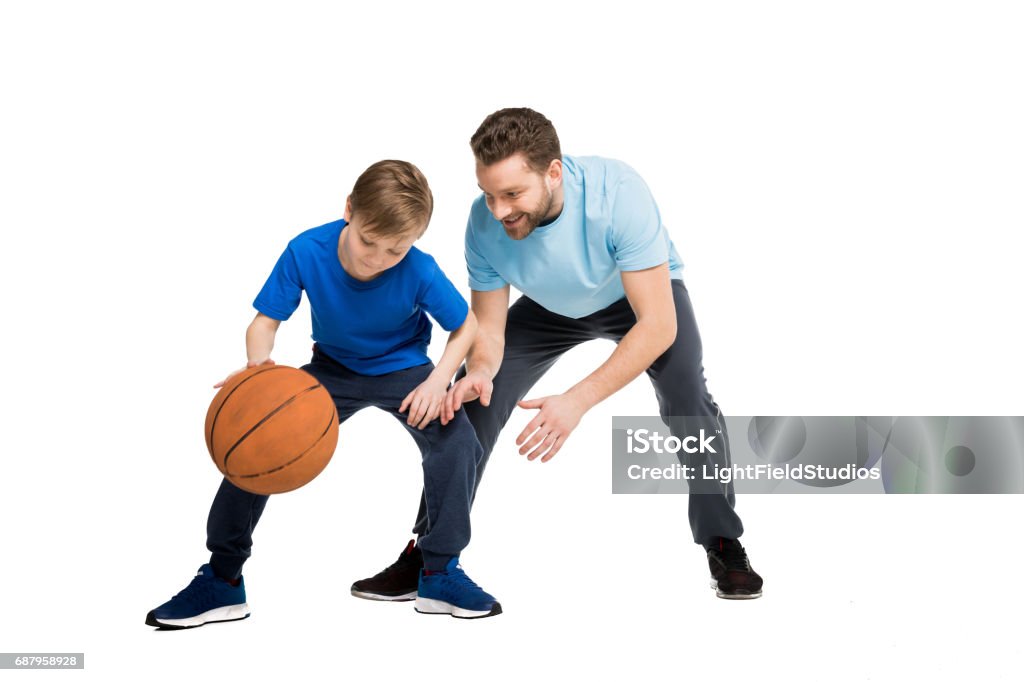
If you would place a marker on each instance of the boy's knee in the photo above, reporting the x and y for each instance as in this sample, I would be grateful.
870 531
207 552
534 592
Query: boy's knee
464 435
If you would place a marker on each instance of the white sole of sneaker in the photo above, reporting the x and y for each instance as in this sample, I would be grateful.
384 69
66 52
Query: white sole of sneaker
409 596
218 615
438 607
724 595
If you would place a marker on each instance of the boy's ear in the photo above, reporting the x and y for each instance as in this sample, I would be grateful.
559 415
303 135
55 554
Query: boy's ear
348 209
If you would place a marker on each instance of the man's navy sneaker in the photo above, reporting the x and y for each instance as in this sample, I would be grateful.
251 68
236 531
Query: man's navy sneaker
451 591
207 599
397 582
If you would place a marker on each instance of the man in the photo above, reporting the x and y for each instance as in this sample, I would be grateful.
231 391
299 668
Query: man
583 241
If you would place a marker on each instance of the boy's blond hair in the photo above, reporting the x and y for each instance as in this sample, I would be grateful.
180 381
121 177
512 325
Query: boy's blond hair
392 198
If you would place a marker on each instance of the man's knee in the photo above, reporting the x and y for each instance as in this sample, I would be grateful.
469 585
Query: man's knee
683 395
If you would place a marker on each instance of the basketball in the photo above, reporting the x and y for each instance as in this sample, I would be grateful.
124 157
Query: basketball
271 429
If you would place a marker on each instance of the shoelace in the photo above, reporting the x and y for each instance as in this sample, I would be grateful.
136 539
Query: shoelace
199 590
734 556
459 583
459 576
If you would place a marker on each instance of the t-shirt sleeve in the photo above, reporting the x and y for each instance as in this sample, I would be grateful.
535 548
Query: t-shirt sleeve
638 239
282 292
443 301
482 276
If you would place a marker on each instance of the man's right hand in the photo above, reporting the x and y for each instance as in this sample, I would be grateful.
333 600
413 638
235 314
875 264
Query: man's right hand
252 363
470 387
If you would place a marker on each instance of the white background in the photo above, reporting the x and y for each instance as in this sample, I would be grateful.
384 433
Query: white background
842 181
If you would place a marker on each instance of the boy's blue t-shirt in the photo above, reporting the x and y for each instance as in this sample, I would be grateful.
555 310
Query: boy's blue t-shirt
609 223
373 327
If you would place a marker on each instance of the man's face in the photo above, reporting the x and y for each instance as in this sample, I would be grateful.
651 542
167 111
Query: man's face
518 196
365 255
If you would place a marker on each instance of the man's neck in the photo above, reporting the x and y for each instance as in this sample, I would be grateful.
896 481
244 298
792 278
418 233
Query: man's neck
556 208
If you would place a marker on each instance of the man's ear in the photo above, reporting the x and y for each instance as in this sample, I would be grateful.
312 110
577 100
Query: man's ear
554 174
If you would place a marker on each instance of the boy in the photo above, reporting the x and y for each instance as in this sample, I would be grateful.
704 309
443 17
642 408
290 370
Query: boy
369 291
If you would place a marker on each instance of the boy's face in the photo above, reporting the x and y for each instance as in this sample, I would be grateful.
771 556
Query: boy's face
518 196
365 255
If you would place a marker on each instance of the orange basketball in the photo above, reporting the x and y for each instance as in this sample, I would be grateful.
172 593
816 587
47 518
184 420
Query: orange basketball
271 429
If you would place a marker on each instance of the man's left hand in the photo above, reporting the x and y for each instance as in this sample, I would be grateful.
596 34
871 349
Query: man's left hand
546 433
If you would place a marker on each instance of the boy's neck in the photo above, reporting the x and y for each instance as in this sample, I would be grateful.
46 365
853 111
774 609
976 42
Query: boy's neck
350 273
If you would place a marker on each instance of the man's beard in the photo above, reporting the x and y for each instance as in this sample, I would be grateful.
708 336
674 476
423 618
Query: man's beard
532 219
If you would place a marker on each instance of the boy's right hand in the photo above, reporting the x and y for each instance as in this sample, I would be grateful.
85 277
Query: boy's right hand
250 364
470 387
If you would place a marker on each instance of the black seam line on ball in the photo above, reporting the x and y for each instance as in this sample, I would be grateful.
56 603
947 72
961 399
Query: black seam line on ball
264 420
330 423
213 425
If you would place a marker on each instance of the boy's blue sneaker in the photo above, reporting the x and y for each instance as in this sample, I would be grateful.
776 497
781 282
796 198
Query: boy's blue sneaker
207 599
451 591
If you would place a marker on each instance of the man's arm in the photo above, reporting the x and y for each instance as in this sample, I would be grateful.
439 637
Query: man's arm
484 359
650 294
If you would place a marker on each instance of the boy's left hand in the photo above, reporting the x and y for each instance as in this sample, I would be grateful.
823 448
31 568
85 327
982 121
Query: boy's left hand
424 403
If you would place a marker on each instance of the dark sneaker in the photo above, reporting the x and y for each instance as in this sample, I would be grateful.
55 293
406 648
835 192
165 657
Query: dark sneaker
397 582
207 599
733 578
451 591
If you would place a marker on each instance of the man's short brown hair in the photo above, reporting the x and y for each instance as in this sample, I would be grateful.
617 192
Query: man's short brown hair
509 131
392 198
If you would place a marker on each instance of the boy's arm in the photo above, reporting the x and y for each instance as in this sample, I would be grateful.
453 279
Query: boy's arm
459 343
425 401
484 361
259 341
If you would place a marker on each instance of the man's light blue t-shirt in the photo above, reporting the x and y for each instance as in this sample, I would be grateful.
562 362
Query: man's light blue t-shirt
609 223
374 327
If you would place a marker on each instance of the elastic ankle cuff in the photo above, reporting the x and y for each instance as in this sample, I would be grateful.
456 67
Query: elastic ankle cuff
435 562
225 569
